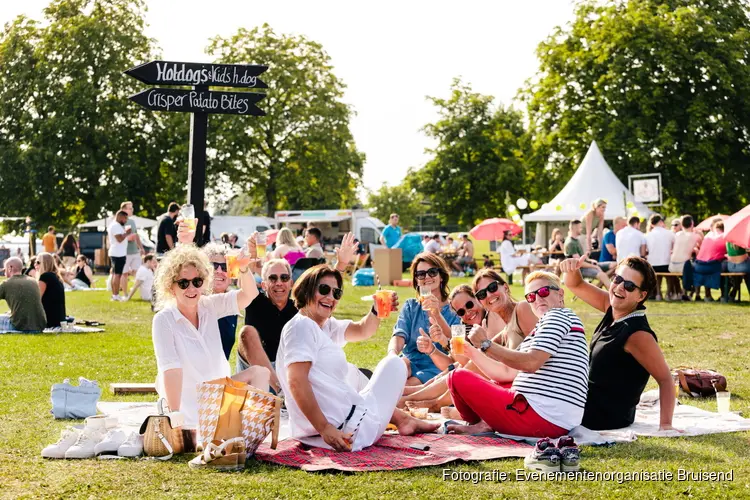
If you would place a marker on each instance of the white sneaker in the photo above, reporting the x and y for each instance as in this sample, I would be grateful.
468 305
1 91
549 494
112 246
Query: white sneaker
68 438
84 445
111 443
132 447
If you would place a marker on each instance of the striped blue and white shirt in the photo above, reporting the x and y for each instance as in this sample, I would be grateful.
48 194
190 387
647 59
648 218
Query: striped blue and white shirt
557 390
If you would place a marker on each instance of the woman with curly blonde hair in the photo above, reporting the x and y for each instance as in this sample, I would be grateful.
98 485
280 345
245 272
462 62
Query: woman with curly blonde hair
185 332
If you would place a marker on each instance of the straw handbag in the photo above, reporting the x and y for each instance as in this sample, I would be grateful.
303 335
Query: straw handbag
229 409
162 434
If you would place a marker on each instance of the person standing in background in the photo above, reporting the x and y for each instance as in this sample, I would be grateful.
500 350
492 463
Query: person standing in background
660 242
118 249
167 233
630 240
206 233
69 250
135 247
49 240
391 233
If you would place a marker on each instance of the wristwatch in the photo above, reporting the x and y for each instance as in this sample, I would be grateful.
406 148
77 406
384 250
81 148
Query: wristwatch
485 345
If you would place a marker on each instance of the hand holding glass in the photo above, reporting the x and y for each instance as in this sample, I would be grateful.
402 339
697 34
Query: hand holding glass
458 339
188 215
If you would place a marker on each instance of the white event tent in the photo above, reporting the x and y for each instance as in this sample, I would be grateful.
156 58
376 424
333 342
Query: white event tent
593 179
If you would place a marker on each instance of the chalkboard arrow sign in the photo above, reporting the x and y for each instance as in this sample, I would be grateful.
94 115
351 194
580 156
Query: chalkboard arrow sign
200 101
217 75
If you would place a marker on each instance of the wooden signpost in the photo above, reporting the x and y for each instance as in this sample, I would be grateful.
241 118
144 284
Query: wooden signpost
200 102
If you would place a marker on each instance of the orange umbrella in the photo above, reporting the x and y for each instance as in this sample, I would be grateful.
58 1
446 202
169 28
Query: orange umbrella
493 229
706 224
737 228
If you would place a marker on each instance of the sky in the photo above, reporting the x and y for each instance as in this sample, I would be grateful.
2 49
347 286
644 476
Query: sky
490 44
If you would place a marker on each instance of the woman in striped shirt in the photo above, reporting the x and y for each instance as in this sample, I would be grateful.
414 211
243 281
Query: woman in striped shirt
548 371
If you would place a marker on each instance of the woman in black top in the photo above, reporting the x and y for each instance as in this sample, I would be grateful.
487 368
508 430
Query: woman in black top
83 275
69 250
624 349
51 289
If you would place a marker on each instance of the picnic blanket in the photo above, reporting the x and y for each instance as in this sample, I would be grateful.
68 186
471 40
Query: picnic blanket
394 452
71 329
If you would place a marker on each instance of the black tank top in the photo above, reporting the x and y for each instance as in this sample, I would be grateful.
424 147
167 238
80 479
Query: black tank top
616 379
81 275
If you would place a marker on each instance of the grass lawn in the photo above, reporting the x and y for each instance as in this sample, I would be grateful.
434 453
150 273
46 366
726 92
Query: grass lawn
697 334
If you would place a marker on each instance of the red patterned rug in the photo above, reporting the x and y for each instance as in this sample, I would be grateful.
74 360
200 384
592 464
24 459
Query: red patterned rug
394 452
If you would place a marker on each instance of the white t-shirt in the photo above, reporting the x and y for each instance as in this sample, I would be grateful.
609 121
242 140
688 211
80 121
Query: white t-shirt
432 246
146 276
628 241
199 353
302 340
660 242
117 249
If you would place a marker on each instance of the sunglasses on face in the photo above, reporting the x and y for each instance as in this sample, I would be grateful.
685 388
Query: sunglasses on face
185 283
542 292
284 278
431 272
324 290
626 284
468 307
491 288
220 265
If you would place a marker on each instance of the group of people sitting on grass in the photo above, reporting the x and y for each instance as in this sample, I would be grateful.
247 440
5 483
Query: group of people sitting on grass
525 369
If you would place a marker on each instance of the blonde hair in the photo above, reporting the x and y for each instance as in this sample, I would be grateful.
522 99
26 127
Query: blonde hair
47 264
173 263
552 279
597 203
286 237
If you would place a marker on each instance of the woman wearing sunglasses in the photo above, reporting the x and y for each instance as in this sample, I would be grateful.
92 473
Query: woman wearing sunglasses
624 350
185 332
429 276
548 371
325 410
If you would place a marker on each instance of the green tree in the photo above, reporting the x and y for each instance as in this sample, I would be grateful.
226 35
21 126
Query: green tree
401 199
661 85
301 154
478 159
72 146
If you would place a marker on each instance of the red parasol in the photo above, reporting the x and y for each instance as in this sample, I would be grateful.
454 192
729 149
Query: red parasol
706 224
493 229
737 228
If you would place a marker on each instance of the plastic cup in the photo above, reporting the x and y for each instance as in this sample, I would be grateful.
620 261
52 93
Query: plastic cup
188 216
260 245
233 267
383 302
723 400
458 339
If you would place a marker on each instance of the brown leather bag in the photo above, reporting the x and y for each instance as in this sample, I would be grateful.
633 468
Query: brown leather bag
701 383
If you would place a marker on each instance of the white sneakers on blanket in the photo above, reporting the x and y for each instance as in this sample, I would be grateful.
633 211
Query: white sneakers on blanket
132 447
111 443
85 445
68 438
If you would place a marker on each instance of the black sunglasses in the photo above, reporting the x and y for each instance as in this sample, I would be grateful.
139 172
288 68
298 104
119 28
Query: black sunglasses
324 290
626 284
542 292
220 265
185 283
468 307
491 288
284 278
431 272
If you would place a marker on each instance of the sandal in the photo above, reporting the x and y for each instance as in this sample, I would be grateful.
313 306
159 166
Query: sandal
227 456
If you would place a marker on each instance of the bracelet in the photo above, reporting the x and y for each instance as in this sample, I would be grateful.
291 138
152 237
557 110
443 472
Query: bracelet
244 271
374 311
433 350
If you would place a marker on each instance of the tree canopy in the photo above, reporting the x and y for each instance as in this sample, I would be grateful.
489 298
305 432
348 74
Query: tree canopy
661 85
302 153
401 199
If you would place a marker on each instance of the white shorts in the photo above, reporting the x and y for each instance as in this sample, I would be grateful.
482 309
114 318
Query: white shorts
132 263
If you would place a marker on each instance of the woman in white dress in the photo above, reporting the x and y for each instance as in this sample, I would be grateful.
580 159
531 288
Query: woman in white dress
509 259
324 410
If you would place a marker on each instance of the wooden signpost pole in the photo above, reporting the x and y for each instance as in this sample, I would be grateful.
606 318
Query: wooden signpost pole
200 101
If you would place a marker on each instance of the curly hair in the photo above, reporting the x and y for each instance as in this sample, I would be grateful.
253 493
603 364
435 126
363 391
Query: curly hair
215 250
172 264
435 261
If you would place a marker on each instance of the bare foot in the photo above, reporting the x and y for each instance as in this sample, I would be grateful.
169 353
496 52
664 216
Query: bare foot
431 405
410 426
477 428
450 412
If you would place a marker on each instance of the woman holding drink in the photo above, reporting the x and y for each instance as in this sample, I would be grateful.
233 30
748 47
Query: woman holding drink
430 279
324 410
548 371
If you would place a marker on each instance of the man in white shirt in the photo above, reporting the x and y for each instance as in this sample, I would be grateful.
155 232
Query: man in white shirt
312 238
144 278
630 240
659 242
433 245
118 250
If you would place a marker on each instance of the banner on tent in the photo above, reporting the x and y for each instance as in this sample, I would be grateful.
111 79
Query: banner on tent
646 188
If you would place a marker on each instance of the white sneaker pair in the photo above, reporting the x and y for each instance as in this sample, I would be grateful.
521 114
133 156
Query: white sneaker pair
74 443
120 443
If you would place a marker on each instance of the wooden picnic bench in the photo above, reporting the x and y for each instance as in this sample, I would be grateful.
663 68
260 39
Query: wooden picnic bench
736 277
132 388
